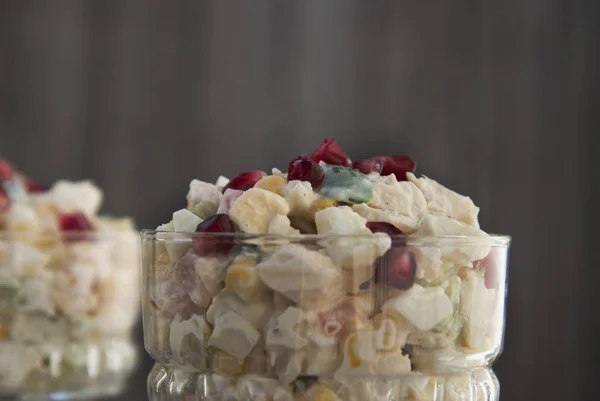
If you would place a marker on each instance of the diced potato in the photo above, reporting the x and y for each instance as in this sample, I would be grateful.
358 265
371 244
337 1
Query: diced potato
272 183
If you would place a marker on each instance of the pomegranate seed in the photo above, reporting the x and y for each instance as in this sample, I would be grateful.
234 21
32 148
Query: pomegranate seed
34 187
396 268
489 266
397 235
6 171
304 169
74 222
386 165
366 166
207 244
245 180
383 227
399 166
4 201
331 153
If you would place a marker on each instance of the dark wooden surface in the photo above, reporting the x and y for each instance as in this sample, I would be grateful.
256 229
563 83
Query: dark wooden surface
494 99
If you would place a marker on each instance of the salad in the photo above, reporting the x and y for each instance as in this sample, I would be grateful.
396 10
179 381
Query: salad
323 282
68 286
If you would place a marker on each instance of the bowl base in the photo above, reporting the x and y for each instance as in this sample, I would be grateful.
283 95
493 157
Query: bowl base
50 390
174 384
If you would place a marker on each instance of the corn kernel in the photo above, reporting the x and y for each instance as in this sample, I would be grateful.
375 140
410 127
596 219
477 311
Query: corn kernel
3 332
242 278
319 392
236 276
323 203
272 183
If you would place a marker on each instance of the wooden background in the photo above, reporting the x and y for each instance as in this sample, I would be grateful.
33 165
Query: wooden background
493 98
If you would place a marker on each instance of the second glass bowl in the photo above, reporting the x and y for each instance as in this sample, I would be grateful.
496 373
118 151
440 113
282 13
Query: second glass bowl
68 304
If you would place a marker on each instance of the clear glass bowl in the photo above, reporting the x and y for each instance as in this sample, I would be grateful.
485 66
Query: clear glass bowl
309 317
68 305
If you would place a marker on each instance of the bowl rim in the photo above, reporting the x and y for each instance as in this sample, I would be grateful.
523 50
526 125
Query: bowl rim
411 239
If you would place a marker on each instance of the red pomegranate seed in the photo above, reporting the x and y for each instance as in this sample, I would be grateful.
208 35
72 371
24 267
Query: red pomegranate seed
396 268
304 169
386 165
74 222
383 227
331 153
209 245
399 166
245 180
6 171
489 267
4 201
398 238
366 166
34 187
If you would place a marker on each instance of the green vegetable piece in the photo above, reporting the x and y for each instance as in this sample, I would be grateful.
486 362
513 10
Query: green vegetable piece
346 185
8 291
205 208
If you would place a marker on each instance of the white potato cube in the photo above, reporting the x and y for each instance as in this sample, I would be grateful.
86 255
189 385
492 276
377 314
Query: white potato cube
285 331
445 201
281 225
222 181
477 306
431 269
402 198
403 223
21 217
424 307
299 195
81 196
350 253
255 208
185 221
478 245
256 312
300 274
392 363
201 191
234 335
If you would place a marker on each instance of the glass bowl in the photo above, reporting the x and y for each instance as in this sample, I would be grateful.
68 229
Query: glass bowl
68 305
312 317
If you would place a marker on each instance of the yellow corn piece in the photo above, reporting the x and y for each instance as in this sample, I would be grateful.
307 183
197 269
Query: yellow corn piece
272 183
319 392
3 332
323 203
242 278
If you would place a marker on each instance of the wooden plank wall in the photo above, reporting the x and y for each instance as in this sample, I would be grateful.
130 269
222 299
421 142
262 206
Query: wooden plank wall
493 99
